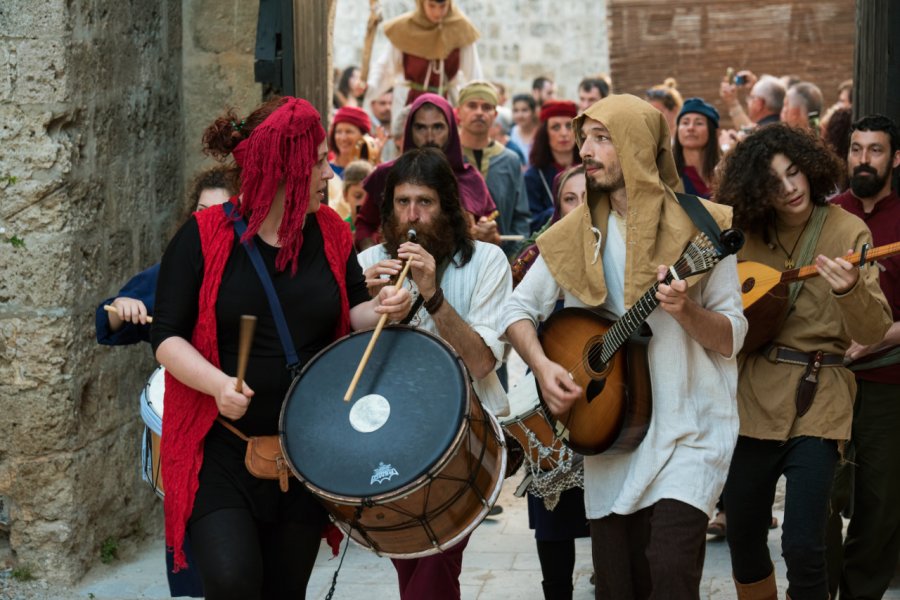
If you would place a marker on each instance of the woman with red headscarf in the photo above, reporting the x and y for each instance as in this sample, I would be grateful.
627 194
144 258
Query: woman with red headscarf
347 130
250 539
552 151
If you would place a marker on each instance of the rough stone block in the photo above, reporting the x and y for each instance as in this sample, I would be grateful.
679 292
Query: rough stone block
212 24
246 13
26 144
552 52
36 275
6 73
26 18
511 53
40 71
53 529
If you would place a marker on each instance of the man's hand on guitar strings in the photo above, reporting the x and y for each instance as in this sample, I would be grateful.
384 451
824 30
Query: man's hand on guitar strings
558 389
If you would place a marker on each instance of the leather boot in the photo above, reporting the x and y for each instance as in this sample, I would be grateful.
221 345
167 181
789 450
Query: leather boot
758 590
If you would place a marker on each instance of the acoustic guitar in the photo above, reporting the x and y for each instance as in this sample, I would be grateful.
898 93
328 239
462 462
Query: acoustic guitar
609 361
764 291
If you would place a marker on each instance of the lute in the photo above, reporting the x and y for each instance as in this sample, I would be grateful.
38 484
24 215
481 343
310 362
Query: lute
764 291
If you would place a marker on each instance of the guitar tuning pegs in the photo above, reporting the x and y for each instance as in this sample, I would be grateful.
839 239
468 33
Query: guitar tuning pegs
732 240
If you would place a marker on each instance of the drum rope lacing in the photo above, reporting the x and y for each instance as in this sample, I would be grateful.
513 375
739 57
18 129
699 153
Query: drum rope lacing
424 518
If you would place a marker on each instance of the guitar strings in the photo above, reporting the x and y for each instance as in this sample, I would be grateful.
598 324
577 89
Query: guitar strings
584 362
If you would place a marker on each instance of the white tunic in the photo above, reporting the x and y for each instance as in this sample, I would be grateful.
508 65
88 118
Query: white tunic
477 292
694 425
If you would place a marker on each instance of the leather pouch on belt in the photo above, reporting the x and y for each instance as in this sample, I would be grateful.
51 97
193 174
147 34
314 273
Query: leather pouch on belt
806 389
265 460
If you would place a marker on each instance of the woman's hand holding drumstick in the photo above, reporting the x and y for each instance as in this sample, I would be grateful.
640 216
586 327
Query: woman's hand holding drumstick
234 397
411 236
245 341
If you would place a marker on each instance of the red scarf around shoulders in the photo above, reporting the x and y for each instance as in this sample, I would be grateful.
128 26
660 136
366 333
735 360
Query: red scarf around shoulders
189 414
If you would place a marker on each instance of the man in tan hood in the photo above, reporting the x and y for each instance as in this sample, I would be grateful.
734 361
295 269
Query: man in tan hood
649 505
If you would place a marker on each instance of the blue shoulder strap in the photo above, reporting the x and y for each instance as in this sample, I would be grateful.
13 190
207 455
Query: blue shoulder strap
280 322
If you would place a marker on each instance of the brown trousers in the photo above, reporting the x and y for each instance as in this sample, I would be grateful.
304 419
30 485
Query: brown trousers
654 553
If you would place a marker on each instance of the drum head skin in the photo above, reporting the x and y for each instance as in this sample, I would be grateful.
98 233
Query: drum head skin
413 394
152 400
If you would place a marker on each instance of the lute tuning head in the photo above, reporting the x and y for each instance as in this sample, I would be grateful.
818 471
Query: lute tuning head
731 241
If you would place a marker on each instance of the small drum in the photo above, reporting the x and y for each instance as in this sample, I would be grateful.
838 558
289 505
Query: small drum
552 466
529 426
413 463
151 413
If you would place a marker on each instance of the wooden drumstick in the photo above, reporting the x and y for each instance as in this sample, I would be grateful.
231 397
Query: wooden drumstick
112 309
248 325
411 235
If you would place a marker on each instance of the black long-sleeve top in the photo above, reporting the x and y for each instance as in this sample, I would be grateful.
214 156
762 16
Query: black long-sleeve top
310 300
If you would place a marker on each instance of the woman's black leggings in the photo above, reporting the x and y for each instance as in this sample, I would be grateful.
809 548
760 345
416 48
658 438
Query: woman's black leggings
557 563
243 559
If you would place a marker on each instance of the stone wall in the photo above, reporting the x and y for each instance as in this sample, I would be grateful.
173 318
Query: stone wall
520 39
219 38
90 178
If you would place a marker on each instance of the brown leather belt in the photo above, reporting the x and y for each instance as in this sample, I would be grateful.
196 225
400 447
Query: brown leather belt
813 361
795 357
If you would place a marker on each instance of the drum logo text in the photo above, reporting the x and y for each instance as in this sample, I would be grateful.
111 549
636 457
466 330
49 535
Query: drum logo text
383 473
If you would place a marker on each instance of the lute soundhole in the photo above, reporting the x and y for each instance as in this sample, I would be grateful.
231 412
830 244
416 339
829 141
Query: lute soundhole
595 368
593 361
748 285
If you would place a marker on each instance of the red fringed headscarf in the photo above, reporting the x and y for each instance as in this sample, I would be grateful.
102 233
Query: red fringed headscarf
281 149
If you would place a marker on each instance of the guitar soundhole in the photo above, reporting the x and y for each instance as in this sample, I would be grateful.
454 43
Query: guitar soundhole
748 285
594 361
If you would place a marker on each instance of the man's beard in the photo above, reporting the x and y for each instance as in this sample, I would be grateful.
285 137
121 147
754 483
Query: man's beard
868 186
437 237
611 183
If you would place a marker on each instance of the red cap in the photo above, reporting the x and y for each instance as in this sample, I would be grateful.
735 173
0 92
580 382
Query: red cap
354 116
558 108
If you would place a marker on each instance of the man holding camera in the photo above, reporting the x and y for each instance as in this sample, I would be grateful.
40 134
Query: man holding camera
764 104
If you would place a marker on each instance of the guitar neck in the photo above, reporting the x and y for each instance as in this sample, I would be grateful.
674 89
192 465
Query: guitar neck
699 257
872 254
623 329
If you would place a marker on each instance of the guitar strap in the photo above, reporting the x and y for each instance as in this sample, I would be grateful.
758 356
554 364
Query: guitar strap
702 219
805 256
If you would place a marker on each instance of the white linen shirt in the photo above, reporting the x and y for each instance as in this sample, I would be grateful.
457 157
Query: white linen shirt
477 292
694 424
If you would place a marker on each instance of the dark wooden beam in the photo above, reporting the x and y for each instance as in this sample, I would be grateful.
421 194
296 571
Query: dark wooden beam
313 41
876 75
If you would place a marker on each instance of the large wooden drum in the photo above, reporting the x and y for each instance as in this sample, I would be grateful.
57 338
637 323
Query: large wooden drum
413 463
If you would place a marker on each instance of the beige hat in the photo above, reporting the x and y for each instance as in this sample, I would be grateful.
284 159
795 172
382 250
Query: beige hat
483 90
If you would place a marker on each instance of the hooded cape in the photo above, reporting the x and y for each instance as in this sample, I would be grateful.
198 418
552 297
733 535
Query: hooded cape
658 229
412 32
